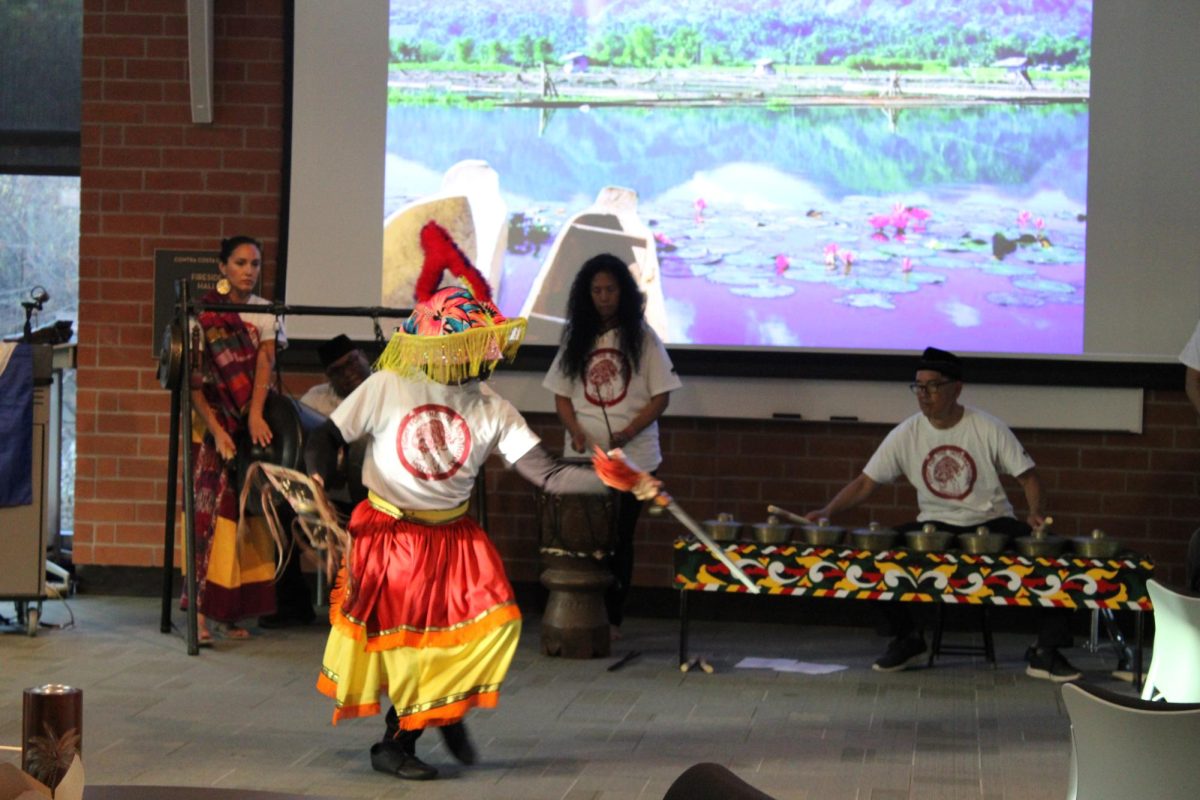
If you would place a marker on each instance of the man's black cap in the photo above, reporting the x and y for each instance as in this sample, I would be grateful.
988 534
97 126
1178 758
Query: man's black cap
941 361
334 349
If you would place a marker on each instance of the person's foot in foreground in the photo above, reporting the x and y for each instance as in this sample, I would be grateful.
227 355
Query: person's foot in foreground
1046 663
904 652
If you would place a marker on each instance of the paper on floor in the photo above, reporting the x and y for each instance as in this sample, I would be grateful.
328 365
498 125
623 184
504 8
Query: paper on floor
789 665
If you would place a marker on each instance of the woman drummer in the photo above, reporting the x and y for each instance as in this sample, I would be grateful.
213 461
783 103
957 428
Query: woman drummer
611 380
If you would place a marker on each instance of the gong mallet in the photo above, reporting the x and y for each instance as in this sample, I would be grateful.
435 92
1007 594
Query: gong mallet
783 512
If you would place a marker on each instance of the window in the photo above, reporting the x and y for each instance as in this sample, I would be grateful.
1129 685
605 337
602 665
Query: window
40 78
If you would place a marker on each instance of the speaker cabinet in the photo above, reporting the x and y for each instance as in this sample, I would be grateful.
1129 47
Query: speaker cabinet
200 58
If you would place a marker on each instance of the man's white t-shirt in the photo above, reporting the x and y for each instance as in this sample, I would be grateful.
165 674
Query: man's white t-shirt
611 394
955 471
321 398
429 440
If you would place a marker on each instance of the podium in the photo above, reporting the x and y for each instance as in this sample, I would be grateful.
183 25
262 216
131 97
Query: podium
25 531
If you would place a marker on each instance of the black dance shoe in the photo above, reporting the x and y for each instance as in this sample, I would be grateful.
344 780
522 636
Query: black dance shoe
459 743
391 757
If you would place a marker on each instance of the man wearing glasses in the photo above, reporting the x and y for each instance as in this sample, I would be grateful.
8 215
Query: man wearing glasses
954 455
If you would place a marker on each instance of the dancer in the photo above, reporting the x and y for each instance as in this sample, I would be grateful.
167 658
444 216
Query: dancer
423 609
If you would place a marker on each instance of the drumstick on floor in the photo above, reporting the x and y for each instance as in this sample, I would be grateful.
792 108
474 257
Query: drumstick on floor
623 660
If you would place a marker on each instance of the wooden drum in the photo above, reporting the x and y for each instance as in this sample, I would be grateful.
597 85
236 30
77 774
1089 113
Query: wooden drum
576 539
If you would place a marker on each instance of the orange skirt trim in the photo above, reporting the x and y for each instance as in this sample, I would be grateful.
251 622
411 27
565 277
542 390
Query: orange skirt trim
431 637
446 715
330 689
449 714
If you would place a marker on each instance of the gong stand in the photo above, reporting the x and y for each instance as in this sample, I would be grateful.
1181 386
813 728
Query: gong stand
175 373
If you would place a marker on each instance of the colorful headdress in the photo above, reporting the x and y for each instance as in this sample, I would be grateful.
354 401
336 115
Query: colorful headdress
453 333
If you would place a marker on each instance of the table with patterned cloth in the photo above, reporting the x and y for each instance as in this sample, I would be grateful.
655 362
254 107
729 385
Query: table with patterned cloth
1007 579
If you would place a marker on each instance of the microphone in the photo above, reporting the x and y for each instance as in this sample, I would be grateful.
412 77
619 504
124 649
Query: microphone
39 297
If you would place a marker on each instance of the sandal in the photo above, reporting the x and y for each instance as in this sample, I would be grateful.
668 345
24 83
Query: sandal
235 632
204 638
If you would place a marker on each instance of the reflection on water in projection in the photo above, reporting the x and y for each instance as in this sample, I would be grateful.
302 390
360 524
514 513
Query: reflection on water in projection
842 227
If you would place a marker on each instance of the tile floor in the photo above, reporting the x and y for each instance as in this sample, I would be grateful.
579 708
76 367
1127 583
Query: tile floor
246 715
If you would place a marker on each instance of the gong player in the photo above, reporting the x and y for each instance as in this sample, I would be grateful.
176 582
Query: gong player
954 455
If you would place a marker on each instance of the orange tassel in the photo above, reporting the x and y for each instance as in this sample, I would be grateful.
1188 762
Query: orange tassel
614 472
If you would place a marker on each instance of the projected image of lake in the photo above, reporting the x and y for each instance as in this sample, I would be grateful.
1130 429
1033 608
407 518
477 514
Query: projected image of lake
812 227
908 173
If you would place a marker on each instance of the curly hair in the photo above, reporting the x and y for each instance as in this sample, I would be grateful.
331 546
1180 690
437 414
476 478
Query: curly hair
584 324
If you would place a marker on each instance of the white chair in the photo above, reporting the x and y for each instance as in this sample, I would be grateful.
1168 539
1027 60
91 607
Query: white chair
1123 747
1174 673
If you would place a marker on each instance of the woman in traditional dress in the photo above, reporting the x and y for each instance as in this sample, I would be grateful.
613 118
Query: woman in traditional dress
423 610
229 393
611 380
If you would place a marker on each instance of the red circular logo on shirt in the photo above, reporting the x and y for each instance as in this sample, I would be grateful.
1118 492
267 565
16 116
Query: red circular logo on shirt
949 472
607 377
433 442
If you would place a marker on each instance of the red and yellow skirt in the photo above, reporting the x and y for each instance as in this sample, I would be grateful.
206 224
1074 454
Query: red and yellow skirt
432 620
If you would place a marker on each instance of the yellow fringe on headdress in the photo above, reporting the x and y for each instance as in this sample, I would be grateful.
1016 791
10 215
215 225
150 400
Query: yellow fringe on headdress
454 357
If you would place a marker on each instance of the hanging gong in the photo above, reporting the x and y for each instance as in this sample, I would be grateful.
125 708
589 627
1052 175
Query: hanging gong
170 356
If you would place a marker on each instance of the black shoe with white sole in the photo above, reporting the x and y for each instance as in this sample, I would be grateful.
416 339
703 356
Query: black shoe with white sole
1046 663
903 653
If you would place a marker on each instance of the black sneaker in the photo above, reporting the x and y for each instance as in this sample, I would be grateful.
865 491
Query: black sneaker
903 653
1048 664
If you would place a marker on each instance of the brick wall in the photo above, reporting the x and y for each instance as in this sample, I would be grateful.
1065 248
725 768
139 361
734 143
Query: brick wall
151 179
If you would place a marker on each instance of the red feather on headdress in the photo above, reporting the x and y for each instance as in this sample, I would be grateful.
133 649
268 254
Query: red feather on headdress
442 253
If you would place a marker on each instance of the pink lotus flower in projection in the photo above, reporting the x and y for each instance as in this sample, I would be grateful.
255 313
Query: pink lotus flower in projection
847 261
664 241
781 264
831 254
900 219
918 216
1040 224
1023 218
906 265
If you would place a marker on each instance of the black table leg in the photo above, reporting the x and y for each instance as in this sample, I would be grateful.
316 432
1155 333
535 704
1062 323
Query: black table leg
683 627
1137 654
